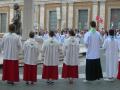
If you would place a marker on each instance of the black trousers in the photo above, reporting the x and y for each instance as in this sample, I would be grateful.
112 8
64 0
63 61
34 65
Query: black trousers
93 69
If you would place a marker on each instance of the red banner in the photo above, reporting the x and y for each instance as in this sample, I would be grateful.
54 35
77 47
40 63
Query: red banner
99 19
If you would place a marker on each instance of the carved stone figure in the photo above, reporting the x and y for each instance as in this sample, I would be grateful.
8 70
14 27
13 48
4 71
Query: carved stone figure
17 19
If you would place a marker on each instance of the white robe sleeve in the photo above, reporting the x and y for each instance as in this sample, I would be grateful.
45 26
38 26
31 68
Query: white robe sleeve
119 45
104 44
19 44
65 47
101 40
64 50
38 50
1 44
43 50
86 39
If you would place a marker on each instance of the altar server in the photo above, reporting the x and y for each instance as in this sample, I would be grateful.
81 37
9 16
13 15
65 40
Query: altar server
57 36
71 59
40 41
62 37
111 47
51 55
38 38
11 45
31 52
46 36
93 41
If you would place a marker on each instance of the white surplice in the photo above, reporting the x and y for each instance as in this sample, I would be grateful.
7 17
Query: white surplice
31 51
40 41
51 52
71 51
11 45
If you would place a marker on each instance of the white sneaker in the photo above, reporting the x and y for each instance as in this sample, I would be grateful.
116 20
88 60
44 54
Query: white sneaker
109 80
85 81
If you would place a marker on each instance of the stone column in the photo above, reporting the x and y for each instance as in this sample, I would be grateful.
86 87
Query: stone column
95 10
59 17
42 16
36 12
70 15
67 15
102 13
27 18
11 13
39 17
63 21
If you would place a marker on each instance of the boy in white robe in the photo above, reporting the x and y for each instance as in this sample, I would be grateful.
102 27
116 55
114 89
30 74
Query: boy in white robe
31 53
40 41
39 38
51 55
57 36
93 41
46 36
62 38
71 59
11 45
111 47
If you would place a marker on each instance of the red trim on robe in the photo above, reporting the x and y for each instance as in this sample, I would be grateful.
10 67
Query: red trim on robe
69 71
10 70
30 73
118 76
50 72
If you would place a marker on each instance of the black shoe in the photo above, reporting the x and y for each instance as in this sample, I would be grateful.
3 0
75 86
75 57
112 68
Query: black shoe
70 81
32 83
50 82
27 83
10 82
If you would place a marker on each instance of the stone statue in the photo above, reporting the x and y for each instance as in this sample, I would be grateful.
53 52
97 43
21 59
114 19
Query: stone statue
17 19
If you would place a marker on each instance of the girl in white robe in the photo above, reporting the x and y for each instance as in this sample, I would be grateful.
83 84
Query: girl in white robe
51 55
71 58
11 45
31 53
111 47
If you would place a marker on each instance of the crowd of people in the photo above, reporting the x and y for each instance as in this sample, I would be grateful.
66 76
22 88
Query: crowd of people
60 36
49 44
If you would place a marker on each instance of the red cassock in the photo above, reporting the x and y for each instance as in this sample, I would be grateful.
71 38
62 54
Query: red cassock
51 52
118 76
30 73
50 72
71 59
10 70
69 71
31 53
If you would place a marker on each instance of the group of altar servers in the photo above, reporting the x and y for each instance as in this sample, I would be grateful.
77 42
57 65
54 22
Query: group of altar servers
11 45
50 50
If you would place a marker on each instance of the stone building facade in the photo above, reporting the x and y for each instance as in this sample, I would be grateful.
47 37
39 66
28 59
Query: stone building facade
60 14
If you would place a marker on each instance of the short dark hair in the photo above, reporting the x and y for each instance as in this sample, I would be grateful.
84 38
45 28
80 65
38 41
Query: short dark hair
40 33
93 24
12 28
31 34
51 33
111 32
71 33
